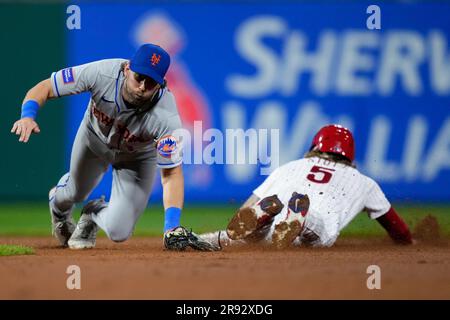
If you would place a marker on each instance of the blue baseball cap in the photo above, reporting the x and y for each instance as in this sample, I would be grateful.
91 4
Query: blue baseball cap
151 60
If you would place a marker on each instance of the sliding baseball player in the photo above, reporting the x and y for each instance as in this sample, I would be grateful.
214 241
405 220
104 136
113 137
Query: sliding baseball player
310 200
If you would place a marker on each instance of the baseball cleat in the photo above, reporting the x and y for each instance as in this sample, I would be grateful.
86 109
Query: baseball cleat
286 231
248 220
85 234
62 226
242 224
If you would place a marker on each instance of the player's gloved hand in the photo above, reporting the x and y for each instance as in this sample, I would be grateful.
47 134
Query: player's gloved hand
25 127
180 238
176 239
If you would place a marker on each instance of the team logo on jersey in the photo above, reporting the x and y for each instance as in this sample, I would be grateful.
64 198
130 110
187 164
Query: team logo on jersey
167 146
67 76
155 59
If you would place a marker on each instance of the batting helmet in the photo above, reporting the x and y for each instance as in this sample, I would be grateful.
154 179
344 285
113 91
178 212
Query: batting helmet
335 139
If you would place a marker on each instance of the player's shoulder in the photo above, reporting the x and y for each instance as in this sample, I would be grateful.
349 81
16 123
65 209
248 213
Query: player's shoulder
165 113
166 106
109 67
370 182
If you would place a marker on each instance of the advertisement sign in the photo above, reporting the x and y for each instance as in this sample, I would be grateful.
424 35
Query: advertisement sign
254 82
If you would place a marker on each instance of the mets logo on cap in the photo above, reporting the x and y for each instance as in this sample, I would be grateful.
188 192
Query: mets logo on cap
155 59
167 146
151 60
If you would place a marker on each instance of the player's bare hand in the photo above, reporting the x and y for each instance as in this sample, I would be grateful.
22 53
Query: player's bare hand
24 128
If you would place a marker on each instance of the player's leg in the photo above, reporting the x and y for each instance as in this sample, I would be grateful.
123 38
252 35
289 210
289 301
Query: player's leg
132 184
221 239
86 171
85 234
63 225
252 223
289 227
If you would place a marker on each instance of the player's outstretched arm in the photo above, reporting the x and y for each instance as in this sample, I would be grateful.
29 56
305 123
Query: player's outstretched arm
34 99
173 187
395 226
177 237
172 181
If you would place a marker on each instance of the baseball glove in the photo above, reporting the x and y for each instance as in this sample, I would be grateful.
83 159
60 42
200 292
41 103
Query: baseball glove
180 238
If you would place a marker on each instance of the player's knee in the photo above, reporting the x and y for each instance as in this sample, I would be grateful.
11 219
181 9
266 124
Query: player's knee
79 198
119 237
118 234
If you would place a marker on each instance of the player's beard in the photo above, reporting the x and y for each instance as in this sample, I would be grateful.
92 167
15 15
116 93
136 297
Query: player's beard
133 99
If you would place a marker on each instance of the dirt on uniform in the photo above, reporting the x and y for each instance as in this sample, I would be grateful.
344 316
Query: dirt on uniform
140 269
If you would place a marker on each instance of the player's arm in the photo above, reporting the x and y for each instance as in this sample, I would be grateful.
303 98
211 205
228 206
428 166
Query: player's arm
40 92
395 226
64 82
177 237
379 208
34 99
170 158
172 181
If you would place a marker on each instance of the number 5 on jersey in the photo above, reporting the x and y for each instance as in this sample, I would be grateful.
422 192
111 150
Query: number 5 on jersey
320 174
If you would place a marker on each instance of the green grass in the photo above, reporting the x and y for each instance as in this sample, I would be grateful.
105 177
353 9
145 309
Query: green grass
11 250
34 219
362 226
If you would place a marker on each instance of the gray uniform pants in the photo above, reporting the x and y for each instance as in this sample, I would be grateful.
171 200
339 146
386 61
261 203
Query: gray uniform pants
133 176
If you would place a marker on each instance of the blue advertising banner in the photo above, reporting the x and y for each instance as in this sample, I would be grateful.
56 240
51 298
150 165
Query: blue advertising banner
292 67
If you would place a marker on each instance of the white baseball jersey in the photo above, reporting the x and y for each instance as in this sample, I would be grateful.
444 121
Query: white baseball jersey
337 193
107 115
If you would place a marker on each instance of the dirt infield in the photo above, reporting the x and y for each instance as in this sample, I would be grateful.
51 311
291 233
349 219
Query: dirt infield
141 269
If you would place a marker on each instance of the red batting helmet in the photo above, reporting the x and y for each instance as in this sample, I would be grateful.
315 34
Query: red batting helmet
336 139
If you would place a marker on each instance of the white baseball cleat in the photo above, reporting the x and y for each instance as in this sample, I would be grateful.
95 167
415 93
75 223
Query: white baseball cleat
85 234
287 230
62 226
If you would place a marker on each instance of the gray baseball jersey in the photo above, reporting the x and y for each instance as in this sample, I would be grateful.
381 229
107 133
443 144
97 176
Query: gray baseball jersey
134 143
119 127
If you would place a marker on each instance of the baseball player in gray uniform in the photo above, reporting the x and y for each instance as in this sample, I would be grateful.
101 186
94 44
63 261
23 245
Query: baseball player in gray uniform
130 124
